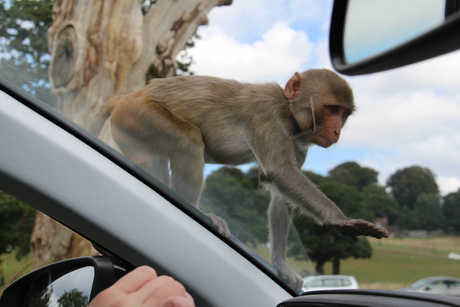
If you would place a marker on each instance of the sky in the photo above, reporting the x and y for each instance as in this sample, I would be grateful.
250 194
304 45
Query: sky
406 116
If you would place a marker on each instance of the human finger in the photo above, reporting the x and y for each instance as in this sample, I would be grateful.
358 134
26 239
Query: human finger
179 301
136 279
161 290
129 283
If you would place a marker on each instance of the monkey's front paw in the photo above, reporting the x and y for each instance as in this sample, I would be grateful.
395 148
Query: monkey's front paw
220 224
354 228
293 280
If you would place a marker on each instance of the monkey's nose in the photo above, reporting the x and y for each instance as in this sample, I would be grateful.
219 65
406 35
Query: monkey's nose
337 132
336 136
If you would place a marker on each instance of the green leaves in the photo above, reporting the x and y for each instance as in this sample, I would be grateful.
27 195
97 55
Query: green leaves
234 196
407 184
352 174
24 57
451 210
16 224
325 243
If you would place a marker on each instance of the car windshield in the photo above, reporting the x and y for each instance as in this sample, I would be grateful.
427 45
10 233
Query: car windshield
395 164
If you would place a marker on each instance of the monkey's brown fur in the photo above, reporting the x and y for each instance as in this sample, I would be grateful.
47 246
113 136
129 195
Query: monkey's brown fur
193 120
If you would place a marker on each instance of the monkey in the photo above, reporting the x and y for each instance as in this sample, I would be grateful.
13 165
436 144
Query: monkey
173 126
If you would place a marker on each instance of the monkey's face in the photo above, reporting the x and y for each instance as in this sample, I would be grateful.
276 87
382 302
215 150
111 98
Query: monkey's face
331 119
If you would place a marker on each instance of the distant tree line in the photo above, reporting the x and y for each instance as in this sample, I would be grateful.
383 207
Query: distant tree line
410 200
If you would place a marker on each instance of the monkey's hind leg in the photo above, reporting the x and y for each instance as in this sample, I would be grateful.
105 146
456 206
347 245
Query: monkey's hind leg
137 152
187 166
181 142
159 168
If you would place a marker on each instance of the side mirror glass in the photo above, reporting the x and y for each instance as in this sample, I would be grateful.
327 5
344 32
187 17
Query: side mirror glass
71 289
373 27
73 282
371 35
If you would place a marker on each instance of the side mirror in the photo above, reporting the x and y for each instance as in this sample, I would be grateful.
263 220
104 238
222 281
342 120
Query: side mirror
368 36
73 282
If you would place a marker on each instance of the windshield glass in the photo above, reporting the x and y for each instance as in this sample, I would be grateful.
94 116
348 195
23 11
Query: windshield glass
394 165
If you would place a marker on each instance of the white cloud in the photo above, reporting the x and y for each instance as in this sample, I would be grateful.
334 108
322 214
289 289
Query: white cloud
320 56
402 118
275 57
27 24
448 184
440 74
416 128
246 20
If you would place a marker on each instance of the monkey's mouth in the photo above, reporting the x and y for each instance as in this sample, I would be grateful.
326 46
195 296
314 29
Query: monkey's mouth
329 142
323 142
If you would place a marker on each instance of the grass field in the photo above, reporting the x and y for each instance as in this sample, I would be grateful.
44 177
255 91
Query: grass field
399 262
11 268
396 262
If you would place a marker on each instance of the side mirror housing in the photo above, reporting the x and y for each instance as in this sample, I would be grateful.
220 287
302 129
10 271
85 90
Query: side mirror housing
363 39
75 282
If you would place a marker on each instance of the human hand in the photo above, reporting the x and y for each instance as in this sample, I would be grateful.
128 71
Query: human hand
142 287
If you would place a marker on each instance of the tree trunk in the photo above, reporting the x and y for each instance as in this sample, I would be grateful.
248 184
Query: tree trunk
102 48
319 267
50 240
335 266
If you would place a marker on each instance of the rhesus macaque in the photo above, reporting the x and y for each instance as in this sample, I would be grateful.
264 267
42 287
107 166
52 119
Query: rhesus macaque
192 120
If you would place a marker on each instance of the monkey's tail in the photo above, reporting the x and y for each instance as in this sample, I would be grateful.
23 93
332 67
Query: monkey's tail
101 117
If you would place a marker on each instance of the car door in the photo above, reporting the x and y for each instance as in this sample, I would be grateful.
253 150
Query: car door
437 287
453 288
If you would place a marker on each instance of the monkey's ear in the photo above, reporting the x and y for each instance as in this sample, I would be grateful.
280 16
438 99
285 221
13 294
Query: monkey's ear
292 88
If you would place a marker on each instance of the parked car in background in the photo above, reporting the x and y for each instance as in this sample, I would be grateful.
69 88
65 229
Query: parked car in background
437 285
329 282
454 256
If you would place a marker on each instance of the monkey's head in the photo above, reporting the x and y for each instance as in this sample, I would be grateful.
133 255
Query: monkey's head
332 101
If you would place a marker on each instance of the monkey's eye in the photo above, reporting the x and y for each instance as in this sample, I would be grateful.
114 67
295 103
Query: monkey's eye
334 109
